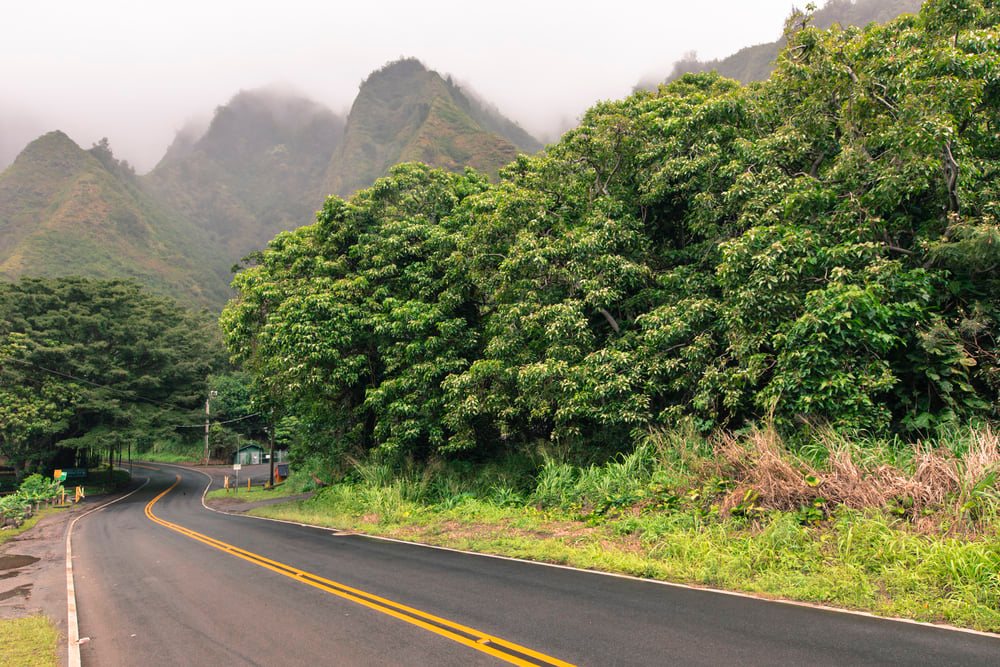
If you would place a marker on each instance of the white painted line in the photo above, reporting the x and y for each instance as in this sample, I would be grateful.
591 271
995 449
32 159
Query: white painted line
336 533
671 584
72 623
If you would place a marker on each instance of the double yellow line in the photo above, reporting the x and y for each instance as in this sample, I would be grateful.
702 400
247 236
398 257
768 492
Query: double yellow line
480 641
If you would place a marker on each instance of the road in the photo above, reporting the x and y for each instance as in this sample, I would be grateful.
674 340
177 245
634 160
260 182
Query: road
170 582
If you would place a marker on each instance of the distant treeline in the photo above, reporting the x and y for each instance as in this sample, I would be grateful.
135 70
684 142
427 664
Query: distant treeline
99 366
821 248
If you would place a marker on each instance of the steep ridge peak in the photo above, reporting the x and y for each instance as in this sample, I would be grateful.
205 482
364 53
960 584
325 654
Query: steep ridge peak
406 111
755 63
54 151
254 171
253 121
69 211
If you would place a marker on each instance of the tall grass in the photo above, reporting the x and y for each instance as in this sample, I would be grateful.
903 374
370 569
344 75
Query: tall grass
886 526
949 485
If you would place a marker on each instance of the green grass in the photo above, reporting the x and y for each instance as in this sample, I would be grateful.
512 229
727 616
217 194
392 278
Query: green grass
173 451
101 481
674 510
28 642
29 523
857 560
171 457
254 494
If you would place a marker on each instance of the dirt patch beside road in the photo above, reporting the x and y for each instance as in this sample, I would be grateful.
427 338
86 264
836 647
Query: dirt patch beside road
239 506
33 570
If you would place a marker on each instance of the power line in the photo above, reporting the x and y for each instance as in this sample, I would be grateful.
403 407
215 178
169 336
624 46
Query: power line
68 376
227 421
133 397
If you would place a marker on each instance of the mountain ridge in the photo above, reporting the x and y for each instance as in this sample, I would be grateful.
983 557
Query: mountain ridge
255 171
262 165
755 62
405 111
69 211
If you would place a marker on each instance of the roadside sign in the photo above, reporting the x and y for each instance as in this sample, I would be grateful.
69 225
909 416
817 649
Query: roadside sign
237 467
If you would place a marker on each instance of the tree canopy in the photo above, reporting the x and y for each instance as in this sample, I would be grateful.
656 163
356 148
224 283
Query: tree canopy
819 247
87 363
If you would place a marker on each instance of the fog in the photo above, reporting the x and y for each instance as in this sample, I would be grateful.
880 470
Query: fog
138 74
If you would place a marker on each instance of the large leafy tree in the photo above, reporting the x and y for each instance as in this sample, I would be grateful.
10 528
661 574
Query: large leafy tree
87 363
352 323
583 256
863 290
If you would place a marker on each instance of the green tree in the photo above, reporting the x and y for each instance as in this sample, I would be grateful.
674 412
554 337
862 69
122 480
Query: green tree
819 247
351 324
96 364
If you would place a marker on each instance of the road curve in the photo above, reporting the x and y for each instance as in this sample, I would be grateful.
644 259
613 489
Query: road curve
170 583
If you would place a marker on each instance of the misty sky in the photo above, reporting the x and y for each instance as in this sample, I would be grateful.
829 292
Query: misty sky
135 73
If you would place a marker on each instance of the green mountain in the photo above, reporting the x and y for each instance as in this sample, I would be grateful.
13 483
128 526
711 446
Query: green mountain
405 112
256 171
263 165
754 63
68 211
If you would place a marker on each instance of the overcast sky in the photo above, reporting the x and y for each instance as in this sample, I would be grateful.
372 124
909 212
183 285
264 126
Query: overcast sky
135 73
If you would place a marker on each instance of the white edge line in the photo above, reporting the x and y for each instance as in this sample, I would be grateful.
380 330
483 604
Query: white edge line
72 622
617 575
211 480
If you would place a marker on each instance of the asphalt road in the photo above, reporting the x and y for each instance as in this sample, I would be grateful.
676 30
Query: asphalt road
179 584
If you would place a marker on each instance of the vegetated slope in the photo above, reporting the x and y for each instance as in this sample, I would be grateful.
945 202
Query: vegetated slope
405 112
66 211
256 171
821 247
755 63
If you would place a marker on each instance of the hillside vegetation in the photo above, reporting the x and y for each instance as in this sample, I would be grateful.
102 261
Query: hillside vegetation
66 211
405 112
818 249
755 63
263 165
257 170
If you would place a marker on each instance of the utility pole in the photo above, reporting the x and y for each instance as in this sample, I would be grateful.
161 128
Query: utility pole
212 394
270 483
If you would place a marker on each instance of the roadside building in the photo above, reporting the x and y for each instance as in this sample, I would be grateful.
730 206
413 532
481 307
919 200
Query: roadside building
251 454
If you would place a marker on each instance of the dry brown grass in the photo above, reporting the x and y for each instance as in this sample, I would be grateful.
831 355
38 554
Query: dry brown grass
939 481
761 462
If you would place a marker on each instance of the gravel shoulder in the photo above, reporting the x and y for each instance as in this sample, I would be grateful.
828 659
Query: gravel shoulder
33 570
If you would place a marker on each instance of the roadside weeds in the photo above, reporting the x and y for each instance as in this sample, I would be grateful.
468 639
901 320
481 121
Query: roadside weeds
895 530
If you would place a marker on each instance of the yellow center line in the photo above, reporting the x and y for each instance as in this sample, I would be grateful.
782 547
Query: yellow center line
480 641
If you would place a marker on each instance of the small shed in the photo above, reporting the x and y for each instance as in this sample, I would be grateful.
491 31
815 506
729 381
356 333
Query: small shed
251 454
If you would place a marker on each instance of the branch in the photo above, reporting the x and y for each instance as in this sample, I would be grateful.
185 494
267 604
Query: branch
610 319
814 169
901 251
951 177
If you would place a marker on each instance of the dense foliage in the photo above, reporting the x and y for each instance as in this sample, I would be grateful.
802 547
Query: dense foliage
821 247
34 490
95 364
